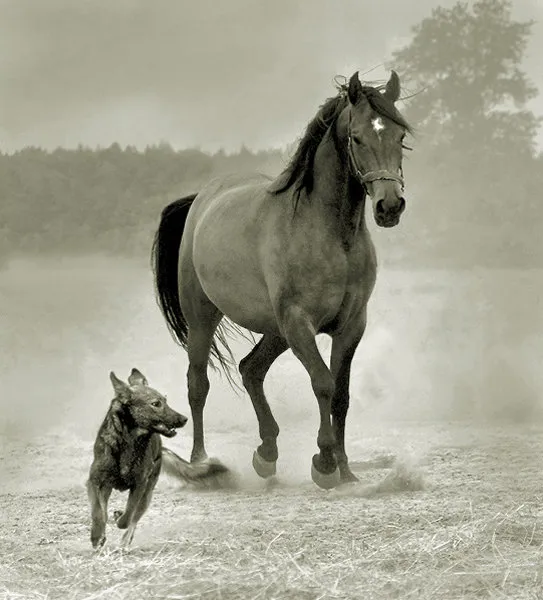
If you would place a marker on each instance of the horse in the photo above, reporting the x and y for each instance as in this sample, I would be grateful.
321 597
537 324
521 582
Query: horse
289 258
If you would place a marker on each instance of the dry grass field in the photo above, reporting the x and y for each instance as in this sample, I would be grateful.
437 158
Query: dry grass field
447 384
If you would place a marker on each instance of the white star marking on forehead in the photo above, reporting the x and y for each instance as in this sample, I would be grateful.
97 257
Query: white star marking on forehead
378 125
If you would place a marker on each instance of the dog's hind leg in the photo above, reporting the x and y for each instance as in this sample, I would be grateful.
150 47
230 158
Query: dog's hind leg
98 498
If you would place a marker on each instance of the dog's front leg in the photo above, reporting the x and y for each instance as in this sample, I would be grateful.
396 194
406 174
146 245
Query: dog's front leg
98 498
123 519
142 506
138 502
126 520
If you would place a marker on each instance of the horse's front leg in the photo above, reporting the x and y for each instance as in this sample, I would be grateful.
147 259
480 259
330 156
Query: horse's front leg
343 348
253 369
300 334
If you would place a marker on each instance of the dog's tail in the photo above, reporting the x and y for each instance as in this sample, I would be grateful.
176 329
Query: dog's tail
209 475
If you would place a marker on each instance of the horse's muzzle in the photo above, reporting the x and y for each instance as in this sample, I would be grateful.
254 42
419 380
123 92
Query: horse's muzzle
388 216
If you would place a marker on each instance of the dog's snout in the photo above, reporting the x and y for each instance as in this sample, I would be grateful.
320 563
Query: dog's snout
181 420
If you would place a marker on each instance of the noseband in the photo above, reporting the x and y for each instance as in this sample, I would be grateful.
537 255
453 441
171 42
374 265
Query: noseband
363 178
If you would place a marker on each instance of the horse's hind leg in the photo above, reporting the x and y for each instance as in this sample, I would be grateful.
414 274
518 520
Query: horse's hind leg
200 339
253 369
202 319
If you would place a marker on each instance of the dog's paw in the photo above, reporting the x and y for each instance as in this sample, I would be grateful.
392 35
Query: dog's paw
98 541
120 519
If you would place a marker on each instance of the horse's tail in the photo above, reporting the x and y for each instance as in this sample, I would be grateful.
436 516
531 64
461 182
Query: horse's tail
165 263
210 474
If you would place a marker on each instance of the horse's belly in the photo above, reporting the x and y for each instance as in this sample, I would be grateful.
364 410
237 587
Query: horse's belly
234 284
241 298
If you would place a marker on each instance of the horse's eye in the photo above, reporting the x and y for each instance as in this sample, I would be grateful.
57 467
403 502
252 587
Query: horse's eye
156 404
357 140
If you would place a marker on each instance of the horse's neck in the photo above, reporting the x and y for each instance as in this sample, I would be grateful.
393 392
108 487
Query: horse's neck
336 192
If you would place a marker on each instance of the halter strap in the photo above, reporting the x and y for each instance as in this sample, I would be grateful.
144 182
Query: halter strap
379 175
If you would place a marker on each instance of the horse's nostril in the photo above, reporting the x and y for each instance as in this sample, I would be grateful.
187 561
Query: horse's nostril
402 205
380 207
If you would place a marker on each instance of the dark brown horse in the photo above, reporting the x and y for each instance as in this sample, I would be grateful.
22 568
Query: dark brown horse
289 259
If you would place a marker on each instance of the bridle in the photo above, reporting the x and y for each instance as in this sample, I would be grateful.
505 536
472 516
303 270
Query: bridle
368 177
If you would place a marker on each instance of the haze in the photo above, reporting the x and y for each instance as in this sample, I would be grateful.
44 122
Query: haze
204 74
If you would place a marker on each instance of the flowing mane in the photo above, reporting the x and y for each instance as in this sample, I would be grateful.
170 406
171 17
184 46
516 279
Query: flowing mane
299 171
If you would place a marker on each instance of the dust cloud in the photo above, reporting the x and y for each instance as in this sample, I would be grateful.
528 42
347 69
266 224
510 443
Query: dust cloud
440 346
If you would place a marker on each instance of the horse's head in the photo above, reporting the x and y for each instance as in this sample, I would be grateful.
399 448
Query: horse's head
376 131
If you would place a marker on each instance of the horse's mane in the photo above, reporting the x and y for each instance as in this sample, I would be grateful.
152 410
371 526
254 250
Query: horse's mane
299 171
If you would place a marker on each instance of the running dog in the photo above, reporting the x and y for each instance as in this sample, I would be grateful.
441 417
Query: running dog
128 455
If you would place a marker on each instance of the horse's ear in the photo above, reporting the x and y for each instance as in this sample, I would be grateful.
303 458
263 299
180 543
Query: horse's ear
122 391
137 378
392 89
355 89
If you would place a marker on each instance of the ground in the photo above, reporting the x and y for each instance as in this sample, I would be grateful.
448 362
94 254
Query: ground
447 381
474 531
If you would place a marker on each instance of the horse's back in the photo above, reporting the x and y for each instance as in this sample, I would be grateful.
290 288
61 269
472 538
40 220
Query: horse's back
214 190
228 206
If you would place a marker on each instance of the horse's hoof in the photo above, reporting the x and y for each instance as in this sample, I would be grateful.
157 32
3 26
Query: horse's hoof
264 468
326 481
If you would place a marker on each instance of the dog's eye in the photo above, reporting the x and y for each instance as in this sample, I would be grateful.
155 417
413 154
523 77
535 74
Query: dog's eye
156 404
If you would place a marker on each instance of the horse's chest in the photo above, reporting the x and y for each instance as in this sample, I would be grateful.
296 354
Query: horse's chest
330 272
361 272
329 286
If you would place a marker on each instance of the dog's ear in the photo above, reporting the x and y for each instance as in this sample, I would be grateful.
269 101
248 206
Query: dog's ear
137 378
122 391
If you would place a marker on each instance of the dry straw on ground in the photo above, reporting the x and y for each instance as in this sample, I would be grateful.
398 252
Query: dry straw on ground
464 523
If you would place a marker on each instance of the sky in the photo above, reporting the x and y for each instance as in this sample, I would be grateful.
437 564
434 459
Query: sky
206 73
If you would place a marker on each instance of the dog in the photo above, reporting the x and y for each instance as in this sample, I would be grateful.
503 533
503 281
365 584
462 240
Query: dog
128 455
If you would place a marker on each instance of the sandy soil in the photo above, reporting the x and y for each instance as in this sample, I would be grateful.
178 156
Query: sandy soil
447 356
474 531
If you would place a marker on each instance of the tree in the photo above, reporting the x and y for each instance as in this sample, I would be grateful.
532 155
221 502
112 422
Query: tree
468 61
476 168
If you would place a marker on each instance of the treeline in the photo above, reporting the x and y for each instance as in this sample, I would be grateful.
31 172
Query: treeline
106 200
460 213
